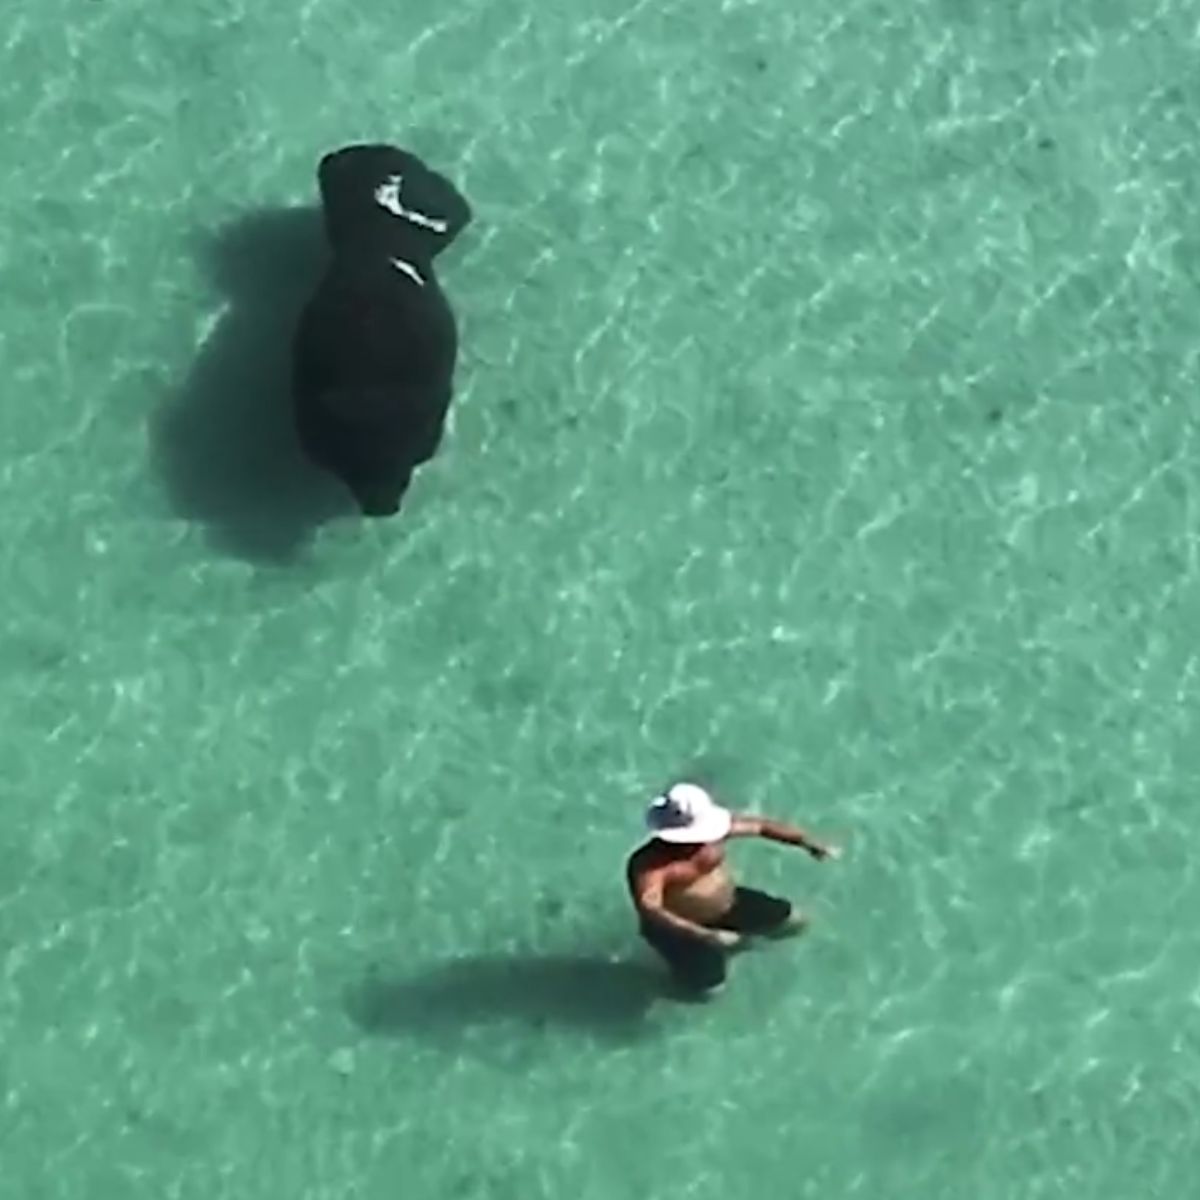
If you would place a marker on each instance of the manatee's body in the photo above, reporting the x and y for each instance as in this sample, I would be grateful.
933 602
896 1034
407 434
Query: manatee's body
375 349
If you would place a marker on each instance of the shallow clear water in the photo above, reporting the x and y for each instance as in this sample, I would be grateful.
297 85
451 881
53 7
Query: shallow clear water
826 429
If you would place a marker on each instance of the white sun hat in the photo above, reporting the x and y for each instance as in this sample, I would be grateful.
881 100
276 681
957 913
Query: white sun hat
687 814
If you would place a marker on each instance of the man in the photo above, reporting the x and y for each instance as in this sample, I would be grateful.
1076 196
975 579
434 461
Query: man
690 909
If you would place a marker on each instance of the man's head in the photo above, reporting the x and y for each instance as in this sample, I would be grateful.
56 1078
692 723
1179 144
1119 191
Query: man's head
686 814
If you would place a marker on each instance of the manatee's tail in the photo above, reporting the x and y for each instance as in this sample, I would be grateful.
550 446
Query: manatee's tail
355 433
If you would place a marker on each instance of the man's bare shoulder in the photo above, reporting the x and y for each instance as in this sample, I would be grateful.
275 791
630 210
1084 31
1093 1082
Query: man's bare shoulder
653 855
643 864
647 856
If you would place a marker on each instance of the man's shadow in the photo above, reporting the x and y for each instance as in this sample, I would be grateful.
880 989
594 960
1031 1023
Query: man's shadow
608 999
226 446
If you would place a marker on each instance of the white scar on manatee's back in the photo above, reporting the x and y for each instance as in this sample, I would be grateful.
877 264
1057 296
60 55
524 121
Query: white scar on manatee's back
408 269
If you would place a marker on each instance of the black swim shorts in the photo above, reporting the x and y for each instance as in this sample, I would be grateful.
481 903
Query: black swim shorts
699 965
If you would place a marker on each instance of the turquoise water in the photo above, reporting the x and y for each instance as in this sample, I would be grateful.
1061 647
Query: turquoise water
826 428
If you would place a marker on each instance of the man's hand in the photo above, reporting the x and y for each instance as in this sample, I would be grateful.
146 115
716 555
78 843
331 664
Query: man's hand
820 851
726 939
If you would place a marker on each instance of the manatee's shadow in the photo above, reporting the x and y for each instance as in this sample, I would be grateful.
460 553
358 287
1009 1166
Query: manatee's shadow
606 998
226 445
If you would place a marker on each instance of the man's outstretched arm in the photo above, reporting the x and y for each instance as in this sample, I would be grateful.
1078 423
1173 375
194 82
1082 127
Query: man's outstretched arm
779 831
